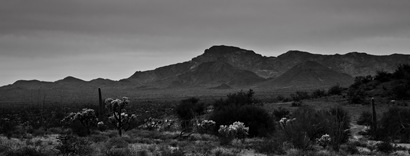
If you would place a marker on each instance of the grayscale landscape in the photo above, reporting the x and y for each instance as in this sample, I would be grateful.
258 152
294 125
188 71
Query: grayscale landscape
196 78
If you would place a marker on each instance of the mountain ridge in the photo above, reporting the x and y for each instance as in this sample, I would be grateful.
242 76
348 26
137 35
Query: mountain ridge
229 67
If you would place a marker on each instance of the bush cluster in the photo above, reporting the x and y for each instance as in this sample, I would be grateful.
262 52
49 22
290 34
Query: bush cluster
187 110
243 107
395 124
318 93
235 130
307 124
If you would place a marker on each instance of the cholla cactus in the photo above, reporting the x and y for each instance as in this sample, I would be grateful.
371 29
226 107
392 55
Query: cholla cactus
235 130
156 124
101 126
86 117
285 121
241 130
119 117
324 140
205 126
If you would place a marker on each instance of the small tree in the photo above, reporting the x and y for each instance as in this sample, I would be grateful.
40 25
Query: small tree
86 117
338 124
119 117
187 110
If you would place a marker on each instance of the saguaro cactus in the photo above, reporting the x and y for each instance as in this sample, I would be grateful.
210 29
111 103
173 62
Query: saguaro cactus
119 117
374 119
101 105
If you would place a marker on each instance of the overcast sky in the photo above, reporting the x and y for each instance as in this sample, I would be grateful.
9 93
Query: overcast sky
51 39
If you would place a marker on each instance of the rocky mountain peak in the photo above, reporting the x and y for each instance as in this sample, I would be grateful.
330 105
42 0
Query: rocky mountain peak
70 79
222 52
295 53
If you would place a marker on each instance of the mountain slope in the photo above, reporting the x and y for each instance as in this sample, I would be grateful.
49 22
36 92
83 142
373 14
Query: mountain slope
216 73
309 74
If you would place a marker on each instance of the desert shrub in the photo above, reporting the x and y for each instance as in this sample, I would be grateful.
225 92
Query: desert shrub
302 94
8 126
258 119
270 145
383 76
98 138
395 124
350 148
24 151
296 103
318 93
72 145
324 140
335 90
299 95
401 91
142 153
118 152
117 142
56 130
279 98
294 97
206 126
402 71
187 110
102 126
365 119
152 124
171 151
385 147
280 113
236 130
224 152
338 126
242 98
260 122
356 95
237 100
39 132
301 129
245 108
306 125
3 148
361 80
86 117
76 128
310 121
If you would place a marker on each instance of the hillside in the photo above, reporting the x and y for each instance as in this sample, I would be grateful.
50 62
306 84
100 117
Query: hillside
215 73
309 74
384 85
